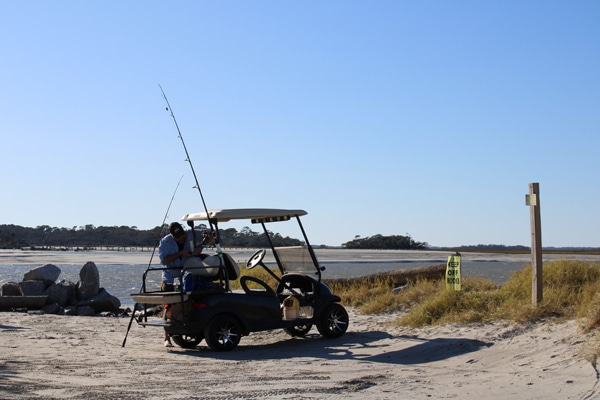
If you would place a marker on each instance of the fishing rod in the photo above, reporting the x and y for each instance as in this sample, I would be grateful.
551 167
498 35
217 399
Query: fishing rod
187 155
160 234
210 222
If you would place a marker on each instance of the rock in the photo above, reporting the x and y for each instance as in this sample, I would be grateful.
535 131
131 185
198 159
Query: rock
10 289
40 291
48 273
32 288
89 281
29 302
53 308
64 293
86 311
103 301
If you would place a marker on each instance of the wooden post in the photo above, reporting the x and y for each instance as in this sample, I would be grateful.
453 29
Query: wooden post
533 201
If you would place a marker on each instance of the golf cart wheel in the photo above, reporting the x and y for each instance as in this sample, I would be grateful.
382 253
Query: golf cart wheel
186 341
333 321
223 333
298 330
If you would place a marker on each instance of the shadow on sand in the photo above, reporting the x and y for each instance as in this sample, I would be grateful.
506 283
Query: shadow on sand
351 346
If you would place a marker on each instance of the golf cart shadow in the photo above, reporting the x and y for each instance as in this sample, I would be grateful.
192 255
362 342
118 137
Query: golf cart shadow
376 346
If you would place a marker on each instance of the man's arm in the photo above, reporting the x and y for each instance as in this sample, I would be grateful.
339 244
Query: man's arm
173 257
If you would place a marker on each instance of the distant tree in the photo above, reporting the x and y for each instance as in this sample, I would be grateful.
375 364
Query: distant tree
394 242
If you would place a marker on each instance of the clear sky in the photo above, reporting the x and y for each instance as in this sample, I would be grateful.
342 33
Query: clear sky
427 118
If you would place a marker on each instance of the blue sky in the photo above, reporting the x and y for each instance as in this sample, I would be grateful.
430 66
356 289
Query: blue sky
427 118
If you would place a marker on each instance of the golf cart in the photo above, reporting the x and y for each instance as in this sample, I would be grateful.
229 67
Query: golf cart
205 307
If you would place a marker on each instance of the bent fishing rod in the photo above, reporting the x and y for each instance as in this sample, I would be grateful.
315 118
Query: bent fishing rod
160 234
187 154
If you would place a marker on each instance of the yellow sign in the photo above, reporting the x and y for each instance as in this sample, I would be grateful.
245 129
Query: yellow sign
453 272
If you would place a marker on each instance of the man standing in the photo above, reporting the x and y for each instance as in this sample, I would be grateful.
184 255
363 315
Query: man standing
173 250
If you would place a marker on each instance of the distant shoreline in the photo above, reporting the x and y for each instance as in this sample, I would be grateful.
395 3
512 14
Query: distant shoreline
137 256
565 251
125 249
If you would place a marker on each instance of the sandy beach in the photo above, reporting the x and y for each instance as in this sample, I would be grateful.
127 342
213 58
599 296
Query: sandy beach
61 357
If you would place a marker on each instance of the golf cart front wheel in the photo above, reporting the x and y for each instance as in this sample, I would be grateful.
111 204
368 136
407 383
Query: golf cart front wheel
186 341
333 321
223 333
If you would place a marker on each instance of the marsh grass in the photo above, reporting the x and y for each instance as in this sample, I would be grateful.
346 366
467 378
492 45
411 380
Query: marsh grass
571 291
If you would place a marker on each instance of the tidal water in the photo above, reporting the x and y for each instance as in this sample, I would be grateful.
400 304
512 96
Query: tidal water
123 279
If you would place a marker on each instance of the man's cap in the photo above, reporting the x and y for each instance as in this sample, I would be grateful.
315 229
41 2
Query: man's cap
176 230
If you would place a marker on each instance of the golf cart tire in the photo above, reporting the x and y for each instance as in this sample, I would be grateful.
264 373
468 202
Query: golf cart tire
186 341
333 321
298 330
223 333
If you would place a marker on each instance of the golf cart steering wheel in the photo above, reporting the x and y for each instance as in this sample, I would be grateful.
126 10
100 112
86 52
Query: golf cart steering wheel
256 259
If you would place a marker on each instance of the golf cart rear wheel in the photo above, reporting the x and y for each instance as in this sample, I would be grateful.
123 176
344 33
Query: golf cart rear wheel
298 330
186 341
333 321
223 333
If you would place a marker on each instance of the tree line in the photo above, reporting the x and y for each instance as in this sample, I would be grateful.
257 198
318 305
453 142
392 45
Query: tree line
44 236
89 236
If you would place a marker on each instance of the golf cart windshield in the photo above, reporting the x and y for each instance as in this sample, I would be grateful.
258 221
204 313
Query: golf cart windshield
295 259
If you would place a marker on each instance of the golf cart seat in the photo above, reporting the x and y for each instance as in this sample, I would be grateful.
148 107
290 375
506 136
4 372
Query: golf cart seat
233 269
204 266
205 274
209 266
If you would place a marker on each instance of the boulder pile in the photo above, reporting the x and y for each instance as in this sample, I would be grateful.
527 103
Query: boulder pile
41 290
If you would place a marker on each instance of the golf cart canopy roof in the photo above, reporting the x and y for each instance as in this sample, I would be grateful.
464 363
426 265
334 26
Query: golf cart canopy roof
257 215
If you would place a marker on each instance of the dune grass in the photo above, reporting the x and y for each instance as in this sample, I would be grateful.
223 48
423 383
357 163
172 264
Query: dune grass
571 291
